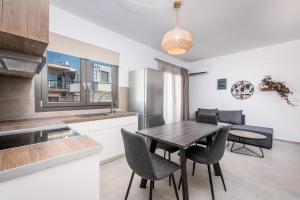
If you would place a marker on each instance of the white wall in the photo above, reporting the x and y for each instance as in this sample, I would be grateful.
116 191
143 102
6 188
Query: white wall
263 108
267 109
133 54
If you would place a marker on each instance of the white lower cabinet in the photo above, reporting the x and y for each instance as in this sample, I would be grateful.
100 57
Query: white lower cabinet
108 133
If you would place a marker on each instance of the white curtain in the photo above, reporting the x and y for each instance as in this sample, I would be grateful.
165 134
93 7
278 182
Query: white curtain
172 92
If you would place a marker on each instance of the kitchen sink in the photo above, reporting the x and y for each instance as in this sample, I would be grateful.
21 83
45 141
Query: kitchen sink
100 114
93 115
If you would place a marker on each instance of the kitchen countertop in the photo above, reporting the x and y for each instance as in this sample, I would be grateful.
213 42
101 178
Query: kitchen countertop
37 124
19 161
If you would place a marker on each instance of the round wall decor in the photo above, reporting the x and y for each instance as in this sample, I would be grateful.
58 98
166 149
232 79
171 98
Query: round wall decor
242 90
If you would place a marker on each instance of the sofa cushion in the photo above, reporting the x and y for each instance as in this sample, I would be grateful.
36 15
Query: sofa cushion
207 119
232 117
203 111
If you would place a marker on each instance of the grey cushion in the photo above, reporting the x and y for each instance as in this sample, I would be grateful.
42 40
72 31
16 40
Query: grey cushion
203 111
207 119
163 167
231 117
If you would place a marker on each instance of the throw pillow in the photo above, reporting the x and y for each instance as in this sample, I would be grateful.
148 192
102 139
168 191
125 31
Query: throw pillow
232 117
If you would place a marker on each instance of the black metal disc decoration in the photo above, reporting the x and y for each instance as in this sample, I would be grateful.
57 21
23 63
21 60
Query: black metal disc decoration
242 90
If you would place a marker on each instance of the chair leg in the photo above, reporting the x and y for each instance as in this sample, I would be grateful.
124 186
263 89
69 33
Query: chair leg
175 187
151 188
170 183
179 184
211 183
222 178
227 144
194 166
129 186
153 185
165 154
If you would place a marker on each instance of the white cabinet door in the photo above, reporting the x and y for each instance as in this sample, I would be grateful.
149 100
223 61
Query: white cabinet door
111 141
107 140
107 133
81 127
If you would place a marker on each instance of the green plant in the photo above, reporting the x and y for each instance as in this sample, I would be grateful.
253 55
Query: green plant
280 87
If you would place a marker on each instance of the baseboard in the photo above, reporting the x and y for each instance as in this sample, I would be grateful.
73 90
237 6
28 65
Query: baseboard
288 141
103 162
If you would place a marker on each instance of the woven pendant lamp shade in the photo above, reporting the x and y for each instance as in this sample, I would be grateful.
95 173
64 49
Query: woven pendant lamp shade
177 41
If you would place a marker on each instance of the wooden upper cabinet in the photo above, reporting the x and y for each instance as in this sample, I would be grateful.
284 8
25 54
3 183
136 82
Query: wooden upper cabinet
1 13
38 20
24 26
14 17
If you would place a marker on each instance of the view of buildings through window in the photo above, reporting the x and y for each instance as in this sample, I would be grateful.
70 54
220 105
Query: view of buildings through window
102 84
64 79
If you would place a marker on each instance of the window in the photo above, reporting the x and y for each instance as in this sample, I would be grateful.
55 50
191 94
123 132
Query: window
69 82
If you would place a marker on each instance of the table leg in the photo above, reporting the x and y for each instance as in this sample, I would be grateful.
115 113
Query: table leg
143 183
243 142
185 192
262 153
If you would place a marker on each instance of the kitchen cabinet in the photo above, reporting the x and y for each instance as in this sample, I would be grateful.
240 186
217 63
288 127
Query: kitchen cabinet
107 132
38 20
24 26
1 1
75 180
14 14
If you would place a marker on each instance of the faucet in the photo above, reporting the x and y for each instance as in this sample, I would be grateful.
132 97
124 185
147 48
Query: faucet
111 102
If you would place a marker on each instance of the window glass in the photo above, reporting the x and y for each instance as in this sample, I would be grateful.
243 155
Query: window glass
69 82
100 82
64 75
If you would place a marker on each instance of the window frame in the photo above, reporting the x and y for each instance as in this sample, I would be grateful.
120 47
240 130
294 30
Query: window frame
41 91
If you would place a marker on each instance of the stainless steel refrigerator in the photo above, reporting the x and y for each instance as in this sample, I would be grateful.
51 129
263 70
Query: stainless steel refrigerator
146 94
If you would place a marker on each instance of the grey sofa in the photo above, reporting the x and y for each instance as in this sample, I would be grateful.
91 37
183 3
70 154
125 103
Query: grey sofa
237 119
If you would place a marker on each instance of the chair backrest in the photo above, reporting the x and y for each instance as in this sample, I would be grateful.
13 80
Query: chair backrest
216 151
137 155
207 119
156 120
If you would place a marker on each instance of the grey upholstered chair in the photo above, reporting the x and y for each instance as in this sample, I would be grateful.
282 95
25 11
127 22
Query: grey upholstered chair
145 164
206 119
210 156
158 120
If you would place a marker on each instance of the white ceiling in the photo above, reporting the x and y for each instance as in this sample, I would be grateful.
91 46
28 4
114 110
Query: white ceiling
218 27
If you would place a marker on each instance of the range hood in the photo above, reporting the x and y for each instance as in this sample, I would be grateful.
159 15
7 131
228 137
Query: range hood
20 64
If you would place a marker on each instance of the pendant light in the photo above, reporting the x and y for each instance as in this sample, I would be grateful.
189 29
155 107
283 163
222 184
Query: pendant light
177 41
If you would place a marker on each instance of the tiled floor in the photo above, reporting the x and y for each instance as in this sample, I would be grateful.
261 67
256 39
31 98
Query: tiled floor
276 177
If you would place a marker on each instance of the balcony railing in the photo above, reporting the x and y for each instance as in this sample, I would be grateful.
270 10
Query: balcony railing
61 84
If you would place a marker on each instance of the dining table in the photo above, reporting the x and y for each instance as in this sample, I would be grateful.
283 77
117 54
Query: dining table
181 135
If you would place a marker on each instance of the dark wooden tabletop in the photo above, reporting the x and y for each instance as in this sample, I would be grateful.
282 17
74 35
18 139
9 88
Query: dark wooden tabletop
180 134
